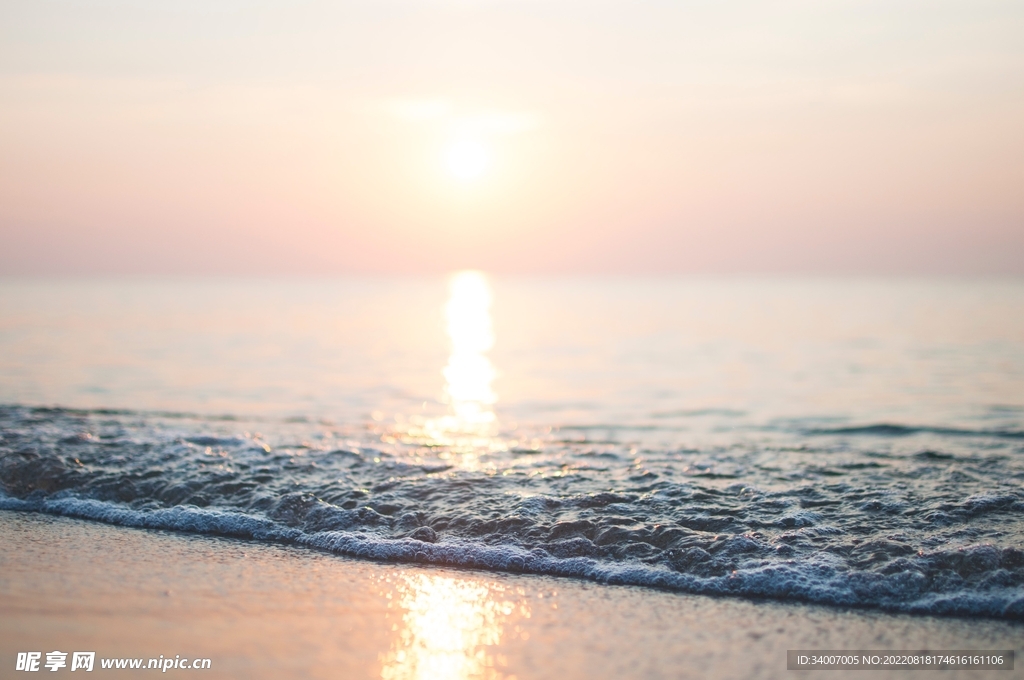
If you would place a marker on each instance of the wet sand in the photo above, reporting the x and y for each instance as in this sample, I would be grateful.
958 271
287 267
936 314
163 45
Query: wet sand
266 611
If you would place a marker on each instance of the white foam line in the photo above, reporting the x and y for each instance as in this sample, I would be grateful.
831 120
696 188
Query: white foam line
807 581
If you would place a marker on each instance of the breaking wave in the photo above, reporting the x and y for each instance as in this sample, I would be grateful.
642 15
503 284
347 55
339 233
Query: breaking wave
935 528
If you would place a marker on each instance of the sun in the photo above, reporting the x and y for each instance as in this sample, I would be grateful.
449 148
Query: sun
467 159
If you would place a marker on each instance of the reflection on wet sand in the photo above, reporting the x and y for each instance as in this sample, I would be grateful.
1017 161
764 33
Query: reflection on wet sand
450 628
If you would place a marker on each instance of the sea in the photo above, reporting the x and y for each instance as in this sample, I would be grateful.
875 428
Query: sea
847 442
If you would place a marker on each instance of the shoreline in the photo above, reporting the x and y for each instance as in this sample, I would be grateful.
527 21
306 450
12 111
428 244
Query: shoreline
795 582
272 610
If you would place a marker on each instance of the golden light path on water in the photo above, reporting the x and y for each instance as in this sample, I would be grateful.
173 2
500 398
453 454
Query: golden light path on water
469 372
470 427
450 628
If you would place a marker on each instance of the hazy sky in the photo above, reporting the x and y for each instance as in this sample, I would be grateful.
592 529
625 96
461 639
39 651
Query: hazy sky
575 136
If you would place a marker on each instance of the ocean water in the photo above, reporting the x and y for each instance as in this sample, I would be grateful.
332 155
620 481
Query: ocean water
846 442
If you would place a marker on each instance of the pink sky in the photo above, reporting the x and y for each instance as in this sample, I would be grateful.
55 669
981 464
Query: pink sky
644 137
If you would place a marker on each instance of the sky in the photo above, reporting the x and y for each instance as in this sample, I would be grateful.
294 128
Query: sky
648 137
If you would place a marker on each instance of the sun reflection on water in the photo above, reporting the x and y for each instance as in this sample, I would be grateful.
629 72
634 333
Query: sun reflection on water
469 372
469 430
470 427
450 629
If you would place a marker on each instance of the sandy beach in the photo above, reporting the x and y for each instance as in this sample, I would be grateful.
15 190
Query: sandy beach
268 611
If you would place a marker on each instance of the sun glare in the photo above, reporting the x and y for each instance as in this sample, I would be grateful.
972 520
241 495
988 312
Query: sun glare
467 159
